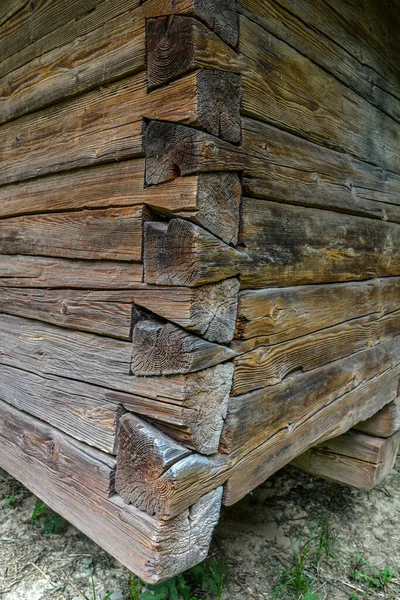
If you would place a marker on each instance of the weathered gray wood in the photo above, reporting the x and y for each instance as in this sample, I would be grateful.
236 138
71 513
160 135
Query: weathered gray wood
269 410
354 459
164 349
253 466
173 150
316 106
74 480
385 422
209 199
181 253
292 245
280 166
86 412
269 365
100 46
275 315
192 406
328 38
178 45
107 130
110 234
209 311
157 475
21 271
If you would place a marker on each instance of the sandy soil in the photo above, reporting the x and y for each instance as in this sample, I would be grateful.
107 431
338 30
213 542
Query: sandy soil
254 536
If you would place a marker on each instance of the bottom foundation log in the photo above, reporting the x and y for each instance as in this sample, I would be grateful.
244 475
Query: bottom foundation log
354 459
77 481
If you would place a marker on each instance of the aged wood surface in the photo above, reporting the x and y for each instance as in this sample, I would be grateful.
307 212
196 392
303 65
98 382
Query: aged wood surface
164 349
86 412
331 420
180 44
270 410
269 365
103 45
354 459
276 165
75 481
168 492
201 198
181 253
281 245
275 315
110 234
385 422
317 107
193 405
294 245
107 130
21 271
209 311
321 31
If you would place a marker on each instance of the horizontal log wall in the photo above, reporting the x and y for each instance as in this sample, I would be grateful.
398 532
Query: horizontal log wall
199 249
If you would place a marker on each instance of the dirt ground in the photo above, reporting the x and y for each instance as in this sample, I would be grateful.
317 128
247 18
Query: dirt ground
254 536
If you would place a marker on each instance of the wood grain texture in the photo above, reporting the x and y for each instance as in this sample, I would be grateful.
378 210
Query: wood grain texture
178 45
269 365
278 165
280 245
110 234
275 409
192 406
209 199
107 130
294 245
181 253
86 412
317 107
354 459
74 481
173 150
275 315
157 475
385 422
164 349
321 31
332 420
209 311
22 271
98 51
97 47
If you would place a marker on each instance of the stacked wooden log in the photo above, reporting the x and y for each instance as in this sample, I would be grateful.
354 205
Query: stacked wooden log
199 258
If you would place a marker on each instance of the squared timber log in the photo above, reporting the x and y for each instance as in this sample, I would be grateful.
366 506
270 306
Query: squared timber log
354 459
199 257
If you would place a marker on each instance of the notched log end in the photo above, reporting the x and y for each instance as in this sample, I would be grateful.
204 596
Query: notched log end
170 48
145 453
171 151
166 349
219 102
218 202
170 253
190 535
222 17
214 310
